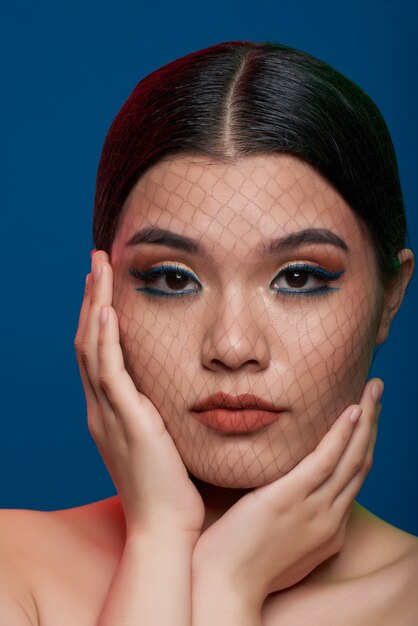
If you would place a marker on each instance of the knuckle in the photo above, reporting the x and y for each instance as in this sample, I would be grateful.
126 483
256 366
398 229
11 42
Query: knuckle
337 541
343 439
93 426
332 534
357 482
106 380
368 463
110 381
321 528
84 350
357 463
79 344
323 534
327 466
329 529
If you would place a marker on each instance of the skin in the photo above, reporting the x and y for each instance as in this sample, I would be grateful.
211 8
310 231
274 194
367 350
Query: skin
201 491
309 356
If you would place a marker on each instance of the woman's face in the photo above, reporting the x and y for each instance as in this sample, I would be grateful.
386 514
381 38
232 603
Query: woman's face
255 305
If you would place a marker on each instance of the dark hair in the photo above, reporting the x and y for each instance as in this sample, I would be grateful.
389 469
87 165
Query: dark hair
240 98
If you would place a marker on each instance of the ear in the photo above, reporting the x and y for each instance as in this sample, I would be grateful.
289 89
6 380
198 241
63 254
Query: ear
394 294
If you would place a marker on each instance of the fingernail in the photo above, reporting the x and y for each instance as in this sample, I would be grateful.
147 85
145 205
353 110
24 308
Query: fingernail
377 391
355 413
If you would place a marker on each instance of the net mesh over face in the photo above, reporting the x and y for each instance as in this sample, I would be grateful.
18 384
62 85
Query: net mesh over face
276 296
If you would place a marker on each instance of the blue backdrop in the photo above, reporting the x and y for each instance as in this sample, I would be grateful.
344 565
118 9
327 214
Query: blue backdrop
66 69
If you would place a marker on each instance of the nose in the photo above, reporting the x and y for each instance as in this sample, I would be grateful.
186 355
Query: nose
236 338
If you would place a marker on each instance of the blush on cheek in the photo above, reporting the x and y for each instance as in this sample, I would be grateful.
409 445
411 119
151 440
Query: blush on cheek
151 355
330 362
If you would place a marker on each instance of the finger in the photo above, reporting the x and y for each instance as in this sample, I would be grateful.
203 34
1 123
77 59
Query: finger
100 412
83 311
101 294
118 386
87 386
88 389
94 425
102 286
95 422
356 456
345 499
317 466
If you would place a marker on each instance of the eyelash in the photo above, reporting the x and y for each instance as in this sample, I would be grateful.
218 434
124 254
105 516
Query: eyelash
150 275
312 271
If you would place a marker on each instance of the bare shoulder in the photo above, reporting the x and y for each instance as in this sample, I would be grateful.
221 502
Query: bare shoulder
379 566
371 582
30 534
48 556
390 591
17 604
386 597
396 583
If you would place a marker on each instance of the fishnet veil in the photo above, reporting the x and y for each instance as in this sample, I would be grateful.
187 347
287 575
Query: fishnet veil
249 197
295 326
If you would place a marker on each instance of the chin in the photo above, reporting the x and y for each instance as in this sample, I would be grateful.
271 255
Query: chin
246 480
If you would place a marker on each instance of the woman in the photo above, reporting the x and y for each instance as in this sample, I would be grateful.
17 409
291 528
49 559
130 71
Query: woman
250 258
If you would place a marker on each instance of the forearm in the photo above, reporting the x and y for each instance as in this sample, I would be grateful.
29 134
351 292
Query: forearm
215 603
152 584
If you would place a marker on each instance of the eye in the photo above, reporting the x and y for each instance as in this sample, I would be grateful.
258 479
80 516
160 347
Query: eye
302 279
167 280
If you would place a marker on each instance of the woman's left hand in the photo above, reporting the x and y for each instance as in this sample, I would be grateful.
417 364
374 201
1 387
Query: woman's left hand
277 534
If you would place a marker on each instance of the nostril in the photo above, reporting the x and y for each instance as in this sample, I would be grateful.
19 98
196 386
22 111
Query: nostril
219 364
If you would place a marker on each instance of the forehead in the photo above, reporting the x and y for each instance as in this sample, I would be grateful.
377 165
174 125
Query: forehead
249 199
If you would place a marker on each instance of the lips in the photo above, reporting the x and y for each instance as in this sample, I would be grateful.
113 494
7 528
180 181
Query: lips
235 414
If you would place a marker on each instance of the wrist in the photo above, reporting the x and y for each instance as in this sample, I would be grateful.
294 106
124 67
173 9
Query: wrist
159 529
217 599
155 564
217 578
159 540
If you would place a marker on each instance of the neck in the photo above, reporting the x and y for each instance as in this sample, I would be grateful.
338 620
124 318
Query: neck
217 500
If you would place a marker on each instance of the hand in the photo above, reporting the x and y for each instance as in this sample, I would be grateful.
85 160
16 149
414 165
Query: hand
276 534
146 468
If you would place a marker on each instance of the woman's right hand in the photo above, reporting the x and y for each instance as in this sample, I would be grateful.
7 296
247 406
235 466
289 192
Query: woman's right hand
140 455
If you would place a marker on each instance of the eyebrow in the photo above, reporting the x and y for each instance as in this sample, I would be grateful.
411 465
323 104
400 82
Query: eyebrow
162 237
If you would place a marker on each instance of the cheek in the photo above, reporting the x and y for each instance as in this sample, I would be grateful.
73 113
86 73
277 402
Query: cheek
152 346
320 357
332 357
323 358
